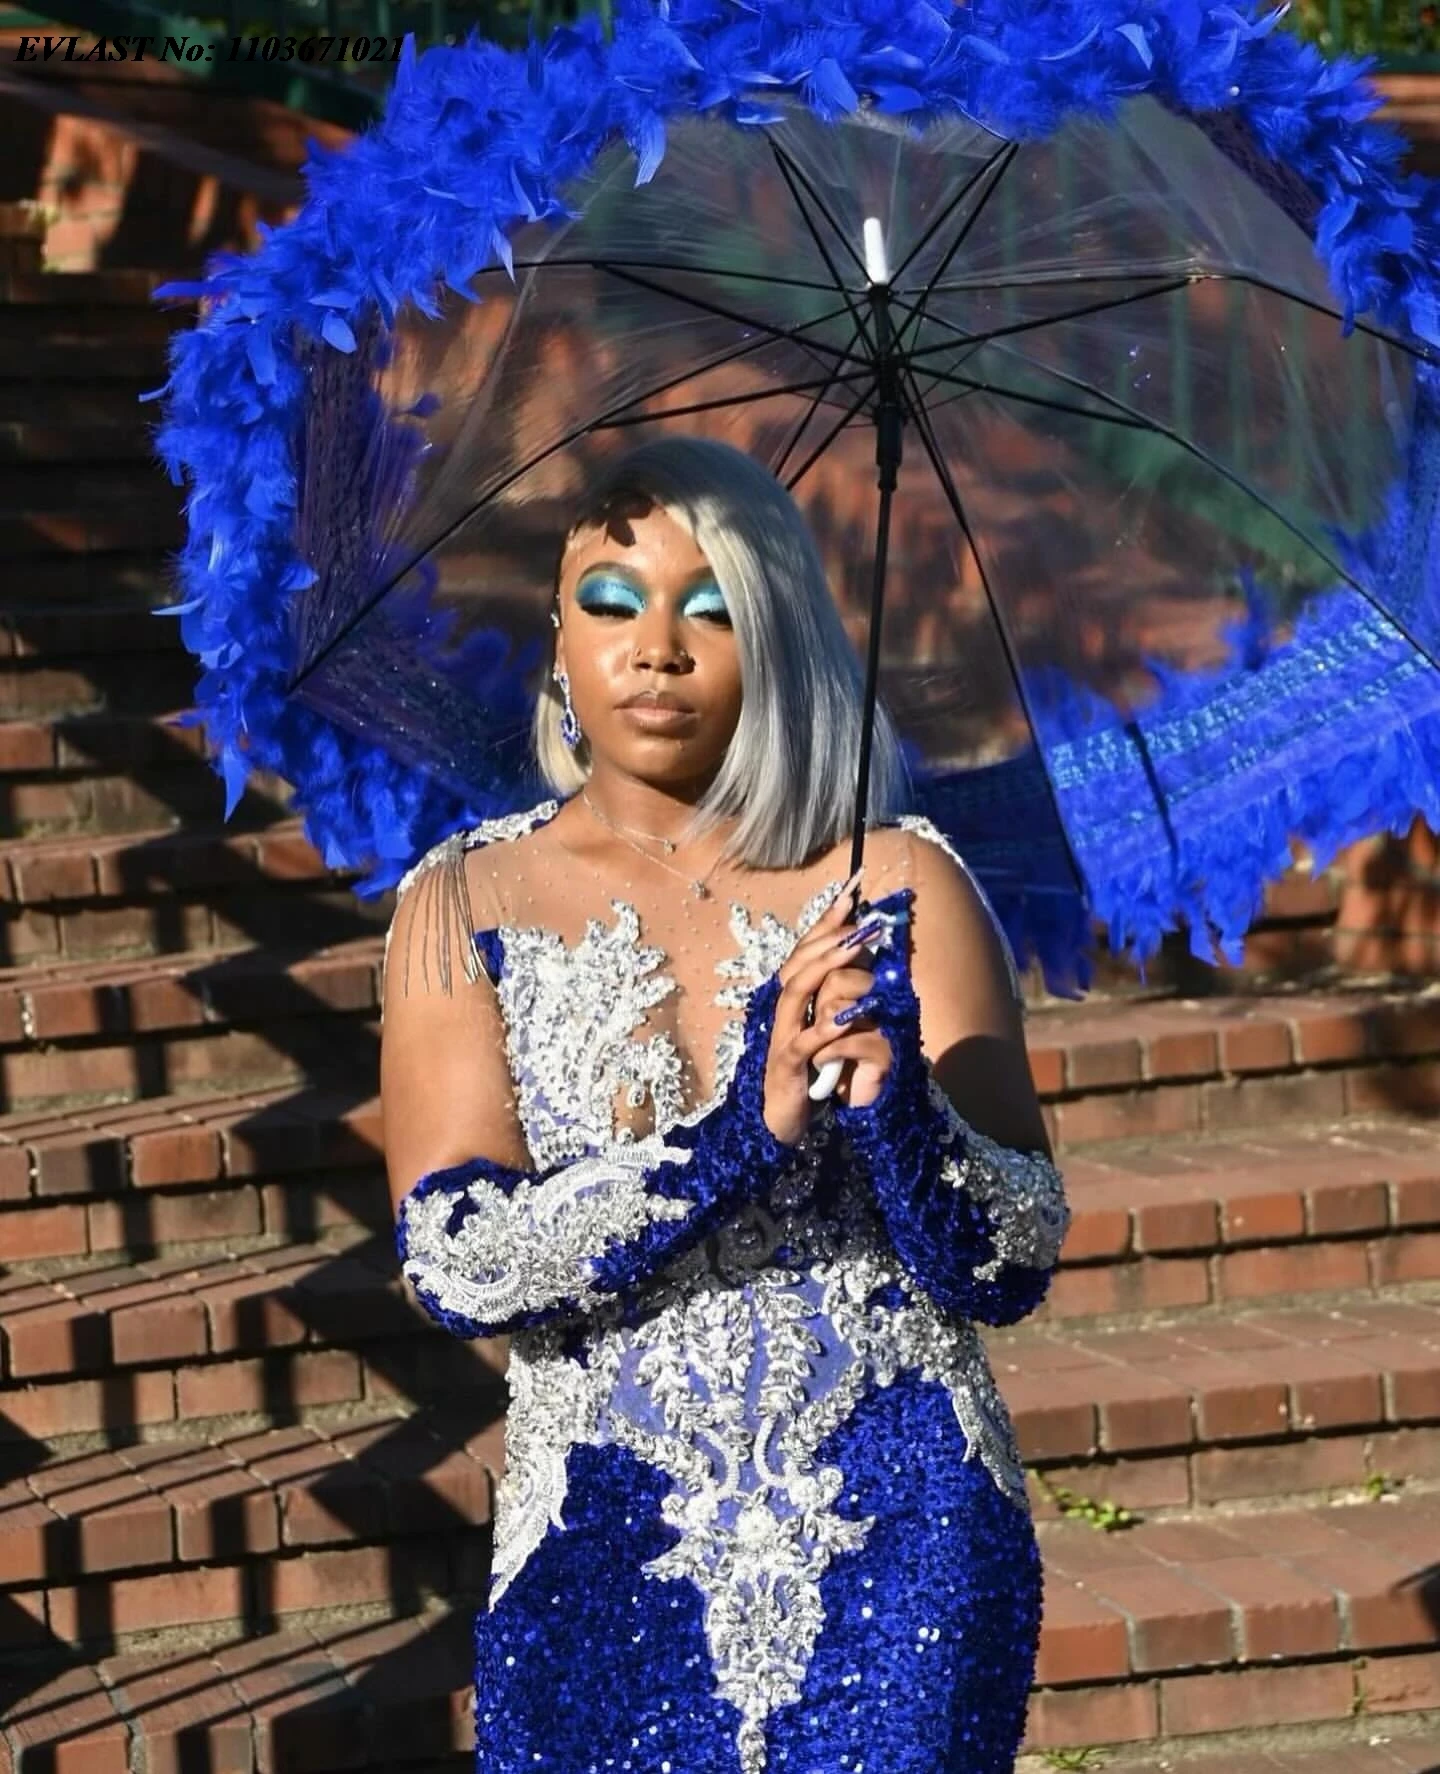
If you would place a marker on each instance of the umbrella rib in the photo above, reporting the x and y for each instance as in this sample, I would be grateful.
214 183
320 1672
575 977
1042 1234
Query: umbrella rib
765 277
1228 474
973 386
834 432
1018 327
1004 161
791 175
957 507
790 335
1010 149
561 443
738 400
802 425
1060 280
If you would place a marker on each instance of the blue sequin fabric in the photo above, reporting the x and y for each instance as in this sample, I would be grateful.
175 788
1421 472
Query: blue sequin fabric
762 1506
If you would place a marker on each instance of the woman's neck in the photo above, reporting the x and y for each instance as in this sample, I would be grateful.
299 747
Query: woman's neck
642 808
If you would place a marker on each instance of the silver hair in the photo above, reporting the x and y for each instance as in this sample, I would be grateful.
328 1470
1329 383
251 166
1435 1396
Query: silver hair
789 771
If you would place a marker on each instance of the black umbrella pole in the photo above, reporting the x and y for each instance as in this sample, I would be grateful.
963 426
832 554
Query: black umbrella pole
889 450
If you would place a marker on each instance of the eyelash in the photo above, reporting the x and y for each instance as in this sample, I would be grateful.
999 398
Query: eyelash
603 609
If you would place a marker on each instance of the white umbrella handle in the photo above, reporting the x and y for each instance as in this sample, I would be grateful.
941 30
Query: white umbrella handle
826 1077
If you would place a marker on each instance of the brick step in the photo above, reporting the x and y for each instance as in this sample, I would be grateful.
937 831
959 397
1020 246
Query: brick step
22 443
289 1700
83 895
52 325
101 744
173 1017
84 360
120 288
113 401
1210 1395
1200 1409
119 1536
151 519
1170 1633
145 671
183 792
135 580
1171 1637
1153 1068
41 489
1360 1747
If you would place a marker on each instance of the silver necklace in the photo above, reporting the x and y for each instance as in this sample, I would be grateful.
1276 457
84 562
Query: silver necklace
697 885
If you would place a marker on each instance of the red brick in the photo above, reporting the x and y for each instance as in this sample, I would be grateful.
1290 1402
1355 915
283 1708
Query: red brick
331 1579
1400 1684
278 1384
1131 1114
1414 1257
1052 1431
177 1155
24 1525
78 1406
1260 1046
83 1165
1280 1613
1102 1065
1242 1699
1173 1623
1082 1638
1047 1070
142 1222
1337 1038
1189 1054
1417 1201
67 1725
1292 1269
186 1597
1337 1208
1391 1090
1062 1718
34 1232
1261 1218
1262 1101
1096 1232
1176 1225
182 1711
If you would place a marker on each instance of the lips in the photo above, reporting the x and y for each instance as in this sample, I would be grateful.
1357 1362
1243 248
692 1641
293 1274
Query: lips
661 699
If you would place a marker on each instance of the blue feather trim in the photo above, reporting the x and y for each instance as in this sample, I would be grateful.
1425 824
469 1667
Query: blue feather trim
476 141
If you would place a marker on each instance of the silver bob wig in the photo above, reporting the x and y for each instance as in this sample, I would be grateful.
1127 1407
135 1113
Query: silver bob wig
789 771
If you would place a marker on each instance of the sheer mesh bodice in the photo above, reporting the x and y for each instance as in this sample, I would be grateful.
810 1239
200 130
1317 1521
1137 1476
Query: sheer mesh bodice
648 978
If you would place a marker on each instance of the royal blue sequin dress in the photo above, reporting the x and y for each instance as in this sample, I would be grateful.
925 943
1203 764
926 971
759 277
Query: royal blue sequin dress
762 1507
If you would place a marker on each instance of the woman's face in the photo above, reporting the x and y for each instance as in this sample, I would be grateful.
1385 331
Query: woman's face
641 615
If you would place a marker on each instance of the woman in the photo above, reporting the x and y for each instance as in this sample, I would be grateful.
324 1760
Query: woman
762 1507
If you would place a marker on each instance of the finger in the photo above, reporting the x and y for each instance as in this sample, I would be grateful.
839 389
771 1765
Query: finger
835 973
854 1044
826 930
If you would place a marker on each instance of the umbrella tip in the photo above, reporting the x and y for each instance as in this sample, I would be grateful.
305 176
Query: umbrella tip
877 268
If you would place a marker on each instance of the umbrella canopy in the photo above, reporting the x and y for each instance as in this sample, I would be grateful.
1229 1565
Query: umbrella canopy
1158 546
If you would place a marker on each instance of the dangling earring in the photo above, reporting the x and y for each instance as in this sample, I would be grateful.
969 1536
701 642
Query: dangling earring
569 725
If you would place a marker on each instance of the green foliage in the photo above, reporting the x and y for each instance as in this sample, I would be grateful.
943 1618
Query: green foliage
1369 27
1100 1512
1073 1758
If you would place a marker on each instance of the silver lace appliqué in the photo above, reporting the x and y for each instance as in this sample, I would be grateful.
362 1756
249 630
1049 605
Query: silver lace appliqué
1022 1192
749 1350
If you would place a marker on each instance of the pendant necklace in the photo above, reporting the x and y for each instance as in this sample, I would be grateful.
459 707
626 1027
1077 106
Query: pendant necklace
697 885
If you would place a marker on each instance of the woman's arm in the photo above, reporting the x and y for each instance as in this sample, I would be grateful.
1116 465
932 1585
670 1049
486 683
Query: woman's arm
488 1243
955 1143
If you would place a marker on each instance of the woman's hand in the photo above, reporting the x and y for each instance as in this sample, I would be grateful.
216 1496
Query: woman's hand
829 964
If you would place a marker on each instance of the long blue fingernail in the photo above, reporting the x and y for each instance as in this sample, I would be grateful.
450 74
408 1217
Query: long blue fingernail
866 933
861 1007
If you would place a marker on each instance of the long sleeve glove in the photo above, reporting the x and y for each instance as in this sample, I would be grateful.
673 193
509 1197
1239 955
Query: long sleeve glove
490 1249
977 1224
